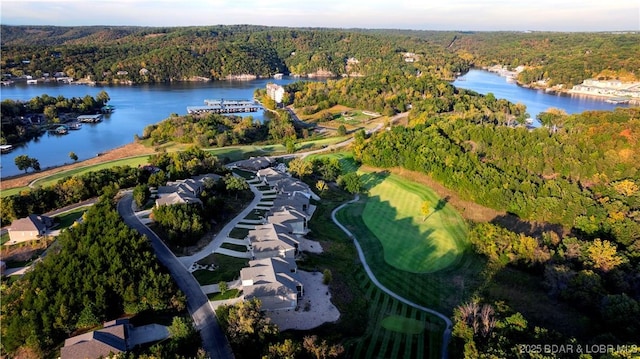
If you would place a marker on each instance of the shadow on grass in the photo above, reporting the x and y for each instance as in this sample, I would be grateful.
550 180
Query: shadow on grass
442 289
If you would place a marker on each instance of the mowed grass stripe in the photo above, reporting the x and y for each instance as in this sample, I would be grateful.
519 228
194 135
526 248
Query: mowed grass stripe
387 333
379 315
408 345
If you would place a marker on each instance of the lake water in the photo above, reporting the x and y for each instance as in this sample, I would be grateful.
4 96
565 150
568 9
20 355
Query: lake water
139 106
536 100
135 108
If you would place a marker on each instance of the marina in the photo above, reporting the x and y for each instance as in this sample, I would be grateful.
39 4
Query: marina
225 106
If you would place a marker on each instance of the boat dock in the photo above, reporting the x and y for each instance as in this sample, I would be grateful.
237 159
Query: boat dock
90 118
225 106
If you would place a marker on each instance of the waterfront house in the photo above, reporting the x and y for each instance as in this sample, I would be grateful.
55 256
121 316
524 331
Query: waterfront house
274 281
29 228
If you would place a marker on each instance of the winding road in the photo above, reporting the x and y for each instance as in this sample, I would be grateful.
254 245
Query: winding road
446 336
213 339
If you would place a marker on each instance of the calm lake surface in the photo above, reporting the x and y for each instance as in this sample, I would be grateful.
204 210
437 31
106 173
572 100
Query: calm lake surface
135 108
139 106
536 100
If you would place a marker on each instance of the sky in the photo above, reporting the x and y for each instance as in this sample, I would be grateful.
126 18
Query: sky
464 15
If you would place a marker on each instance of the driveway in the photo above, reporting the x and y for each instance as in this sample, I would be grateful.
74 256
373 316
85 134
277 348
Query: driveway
213 339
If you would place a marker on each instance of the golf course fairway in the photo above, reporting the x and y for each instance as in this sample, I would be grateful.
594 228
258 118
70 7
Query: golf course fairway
412 241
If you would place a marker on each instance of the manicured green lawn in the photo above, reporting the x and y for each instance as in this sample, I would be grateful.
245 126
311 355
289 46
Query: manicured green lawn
231 293
234 247
4 238
11 191
66 219
228 269
410 243
133 162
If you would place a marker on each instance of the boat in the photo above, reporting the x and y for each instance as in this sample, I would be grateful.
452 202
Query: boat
278 76
6 148
75 126
60 130
108 109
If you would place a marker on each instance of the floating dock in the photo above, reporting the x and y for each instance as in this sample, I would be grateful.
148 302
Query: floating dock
225 106
90 118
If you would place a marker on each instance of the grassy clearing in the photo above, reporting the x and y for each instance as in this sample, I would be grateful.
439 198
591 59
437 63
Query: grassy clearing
11 191
133 162
66 219
230 294
239 233
411 242
4 238
227 269
234 247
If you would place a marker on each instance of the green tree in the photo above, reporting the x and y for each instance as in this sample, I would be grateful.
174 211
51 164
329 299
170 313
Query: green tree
223 286
342 130
141 194
321 349
35 164
235 184
23 162
73 156
181 328
351 182
103 97
285 350
299 167
603 255
426 209
321 186
327 277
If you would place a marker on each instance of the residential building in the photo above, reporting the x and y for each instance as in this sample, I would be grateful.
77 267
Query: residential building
272 240
274 281
275 92
110 340
29 228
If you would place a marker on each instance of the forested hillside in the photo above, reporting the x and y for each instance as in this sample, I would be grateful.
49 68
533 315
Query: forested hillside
114 54
99 271
145 54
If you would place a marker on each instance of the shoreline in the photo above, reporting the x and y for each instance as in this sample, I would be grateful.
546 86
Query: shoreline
557 91
132 149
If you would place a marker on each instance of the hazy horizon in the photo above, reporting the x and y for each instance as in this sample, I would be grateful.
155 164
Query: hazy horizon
454 15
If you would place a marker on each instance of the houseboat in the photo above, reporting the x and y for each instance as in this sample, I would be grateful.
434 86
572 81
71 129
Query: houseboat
90 118
6 148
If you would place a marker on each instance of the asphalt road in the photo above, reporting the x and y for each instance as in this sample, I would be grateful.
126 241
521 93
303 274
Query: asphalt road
213 339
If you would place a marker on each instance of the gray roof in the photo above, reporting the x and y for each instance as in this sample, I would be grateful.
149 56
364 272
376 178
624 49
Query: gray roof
270 237
255 163
99 343
33 222
291 185
273 280
176 198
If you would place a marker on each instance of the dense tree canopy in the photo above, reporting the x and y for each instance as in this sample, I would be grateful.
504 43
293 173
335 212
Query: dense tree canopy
119 276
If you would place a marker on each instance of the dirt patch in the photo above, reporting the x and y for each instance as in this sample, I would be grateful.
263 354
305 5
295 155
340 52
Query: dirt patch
128 150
